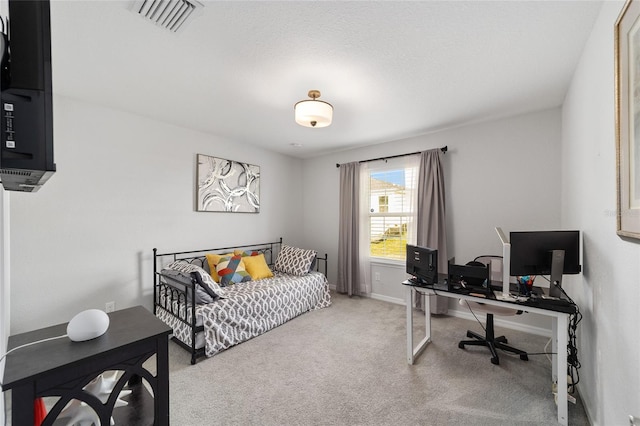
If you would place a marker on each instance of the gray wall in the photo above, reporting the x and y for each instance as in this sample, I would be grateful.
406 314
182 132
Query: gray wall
581 173
124 185
501 173
607 292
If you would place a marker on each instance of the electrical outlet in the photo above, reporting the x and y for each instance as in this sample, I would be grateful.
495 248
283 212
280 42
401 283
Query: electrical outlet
110 307
377 276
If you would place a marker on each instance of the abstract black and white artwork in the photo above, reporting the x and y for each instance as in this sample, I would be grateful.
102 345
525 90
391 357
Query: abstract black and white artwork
227 186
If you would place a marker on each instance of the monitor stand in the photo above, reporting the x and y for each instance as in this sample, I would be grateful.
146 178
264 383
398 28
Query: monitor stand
557 270
506 262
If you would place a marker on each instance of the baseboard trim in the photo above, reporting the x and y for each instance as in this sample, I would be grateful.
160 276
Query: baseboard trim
386 298
375 296
500 322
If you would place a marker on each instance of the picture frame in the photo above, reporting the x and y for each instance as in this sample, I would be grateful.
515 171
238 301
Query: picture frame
627 105
227 185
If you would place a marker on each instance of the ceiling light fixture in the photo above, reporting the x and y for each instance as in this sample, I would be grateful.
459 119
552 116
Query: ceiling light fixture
313 112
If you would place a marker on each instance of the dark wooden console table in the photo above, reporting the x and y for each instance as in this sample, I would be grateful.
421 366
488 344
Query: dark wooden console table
61 368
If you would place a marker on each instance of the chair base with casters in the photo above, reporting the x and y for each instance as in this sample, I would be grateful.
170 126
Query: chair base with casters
491 342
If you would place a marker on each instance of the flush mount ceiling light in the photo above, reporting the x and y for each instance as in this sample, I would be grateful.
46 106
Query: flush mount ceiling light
313 112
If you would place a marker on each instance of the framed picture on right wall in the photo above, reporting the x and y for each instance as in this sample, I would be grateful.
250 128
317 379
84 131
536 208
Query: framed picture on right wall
627 99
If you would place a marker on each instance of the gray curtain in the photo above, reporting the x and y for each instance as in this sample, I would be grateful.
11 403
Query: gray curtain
349 239
431 226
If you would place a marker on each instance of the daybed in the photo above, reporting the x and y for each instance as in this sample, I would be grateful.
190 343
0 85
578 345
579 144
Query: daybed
217 298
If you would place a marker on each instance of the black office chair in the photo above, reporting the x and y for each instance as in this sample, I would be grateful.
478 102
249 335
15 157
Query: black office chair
489 340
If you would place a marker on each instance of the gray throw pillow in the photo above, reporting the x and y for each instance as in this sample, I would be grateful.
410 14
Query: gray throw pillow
207 290
294 261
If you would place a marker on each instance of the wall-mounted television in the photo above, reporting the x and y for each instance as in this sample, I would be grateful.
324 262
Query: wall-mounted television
26 134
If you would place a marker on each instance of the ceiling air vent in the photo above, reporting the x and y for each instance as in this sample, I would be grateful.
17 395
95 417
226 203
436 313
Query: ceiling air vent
169 14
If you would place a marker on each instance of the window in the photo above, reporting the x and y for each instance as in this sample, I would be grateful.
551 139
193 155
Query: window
383 203
391 189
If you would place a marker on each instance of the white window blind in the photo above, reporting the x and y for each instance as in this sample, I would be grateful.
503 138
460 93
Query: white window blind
391 189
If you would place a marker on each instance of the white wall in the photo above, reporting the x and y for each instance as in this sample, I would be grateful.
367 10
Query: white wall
500 173
124 185
608 292
4 283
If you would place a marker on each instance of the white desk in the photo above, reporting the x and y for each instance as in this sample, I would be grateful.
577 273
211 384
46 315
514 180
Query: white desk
560 322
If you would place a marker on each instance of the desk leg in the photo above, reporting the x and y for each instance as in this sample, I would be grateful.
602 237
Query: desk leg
561 367
427 317
412 353
409 303
554 349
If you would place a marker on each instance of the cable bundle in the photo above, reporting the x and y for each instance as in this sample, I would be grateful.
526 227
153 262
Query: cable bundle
573 364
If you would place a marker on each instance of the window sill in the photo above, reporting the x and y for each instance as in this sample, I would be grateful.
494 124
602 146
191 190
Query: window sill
387 262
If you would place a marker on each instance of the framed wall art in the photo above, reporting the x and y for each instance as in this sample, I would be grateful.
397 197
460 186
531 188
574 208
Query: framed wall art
227 186
627 100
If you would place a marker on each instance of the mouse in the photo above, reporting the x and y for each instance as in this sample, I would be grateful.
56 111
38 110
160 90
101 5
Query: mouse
87 325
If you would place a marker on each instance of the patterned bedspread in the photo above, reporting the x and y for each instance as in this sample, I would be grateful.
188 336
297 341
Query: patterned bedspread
252 308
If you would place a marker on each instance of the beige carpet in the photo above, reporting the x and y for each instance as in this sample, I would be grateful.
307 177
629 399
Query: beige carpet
346 365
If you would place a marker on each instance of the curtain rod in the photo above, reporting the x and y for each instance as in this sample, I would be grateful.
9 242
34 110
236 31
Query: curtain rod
444 150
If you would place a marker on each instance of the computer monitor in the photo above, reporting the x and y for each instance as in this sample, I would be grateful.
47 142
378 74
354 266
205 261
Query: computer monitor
422 263
552 253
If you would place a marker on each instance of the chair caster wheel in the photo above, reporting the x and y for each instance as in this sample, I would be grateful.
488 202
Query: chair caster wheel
461 345
495 361
524 357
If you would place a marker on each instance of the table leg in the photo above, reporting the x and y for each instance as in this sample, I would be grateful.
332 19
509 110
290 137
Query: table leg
161 400
554 349
561 368
412 353
409 303
427 317
22 403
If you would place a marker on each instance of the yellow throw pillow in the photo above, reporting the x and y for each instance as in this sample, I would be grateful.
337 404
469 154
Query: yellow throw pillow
213 259
257 267
245 253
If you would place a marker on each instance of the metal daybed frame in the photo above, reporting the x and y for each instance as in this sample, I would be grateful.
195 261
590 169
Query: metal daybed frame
177 294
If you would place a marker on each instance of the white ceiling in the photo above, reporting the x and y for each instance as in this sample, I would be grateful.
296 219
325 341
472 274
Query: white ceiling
391 69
